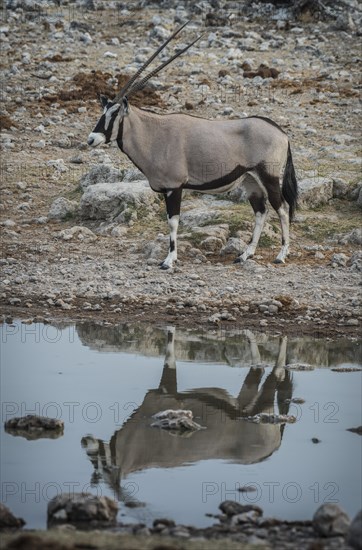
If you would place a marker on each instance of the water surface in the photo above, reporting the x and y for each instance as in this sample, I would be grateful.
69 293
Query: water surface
106 382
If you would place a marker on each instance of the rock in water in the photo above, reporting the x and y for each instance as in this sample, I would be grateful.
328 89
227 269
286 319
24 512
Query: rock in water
330 520
181 420
233 508
8 520
32 426
266 418
80 507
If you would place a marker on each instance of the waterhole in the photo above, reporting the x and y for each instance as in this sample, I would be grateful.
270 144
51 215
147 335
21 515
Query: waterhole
276 414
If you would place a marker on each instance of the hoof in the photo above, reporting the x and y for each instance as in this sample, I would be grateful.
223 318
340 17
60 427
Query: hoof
241 260
277 261
164 266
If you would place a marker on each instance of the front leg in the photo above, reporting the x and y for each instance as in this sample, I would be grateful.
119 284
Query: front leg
173 205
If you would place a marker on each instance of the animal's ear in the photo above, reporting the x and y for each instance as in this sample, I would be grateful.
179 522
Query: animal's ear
125 105
103 100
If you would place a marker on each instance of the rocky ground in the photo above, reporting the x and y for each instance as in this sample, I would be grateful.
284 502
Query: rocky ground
241 526
79 258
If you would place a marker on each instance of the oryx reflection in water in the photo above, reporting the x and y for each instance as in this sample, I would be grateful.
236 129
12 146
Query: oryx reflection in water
136 446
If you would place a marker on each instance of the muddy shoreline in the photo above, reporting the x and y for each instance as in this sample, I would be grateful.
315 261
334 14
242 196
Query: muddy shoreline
166 535
156 316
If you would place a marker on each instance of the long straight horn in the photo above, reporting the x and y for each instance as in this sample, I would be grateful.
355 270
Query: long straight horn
141 84
122 92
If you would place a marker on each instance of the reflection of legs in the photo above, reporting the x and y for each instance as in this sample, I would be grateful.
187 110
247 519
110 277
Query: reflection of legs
255 354
264 399
168 383
249 390
285 393
170 360
279 370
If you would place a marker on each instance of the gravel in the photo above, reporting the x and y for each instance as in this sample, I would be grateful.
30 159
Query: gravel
107 265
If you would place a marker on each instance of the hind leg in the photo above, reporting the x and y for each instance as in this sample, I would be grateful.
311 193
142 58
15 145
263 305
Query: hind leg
258 204
283 213
273 188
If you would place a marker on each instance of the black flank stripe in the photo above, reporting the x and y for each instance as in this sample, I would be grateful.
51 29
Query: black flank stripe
227 179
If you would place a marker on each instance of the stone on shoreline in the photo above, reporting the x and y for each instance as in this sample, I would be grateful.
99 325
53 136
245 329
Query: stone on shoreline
8 520
354 537
330 520
82 507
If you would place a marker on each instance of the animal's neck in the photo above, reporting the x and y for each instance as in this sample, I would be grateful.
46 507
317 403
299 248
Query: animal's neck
136 132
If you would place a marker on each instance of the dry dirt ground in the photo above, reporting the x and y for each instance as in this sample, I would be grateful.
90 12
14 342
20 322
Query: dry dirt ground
53 74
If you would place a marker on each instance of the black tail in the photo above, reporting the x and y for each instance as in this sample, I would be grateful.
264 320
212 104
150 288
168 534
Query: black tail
290 185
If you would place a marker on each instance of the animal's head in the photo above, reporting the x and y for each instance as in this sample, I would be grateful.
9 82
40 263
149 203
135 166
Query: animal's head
107 127
115 110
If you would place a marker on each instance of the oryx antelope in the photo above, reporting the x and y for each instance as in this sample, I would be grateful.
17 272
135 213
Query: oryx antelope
179 151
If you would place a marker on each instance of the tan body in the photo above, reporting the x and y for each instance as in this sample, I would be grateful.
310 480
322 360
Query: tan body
173 150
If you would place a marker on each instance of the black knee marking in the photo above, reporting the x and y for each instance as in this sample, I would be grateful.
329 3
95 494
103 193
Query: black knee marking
258 203
173 202
272 186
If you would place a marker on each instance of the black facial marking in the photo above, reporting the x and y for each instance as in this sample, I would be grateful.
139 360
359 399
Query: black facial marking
104 100
100 125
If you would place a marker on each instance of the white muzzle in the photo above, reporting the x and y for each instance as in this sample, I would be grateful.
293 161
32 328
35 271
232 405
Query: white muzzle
95 139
